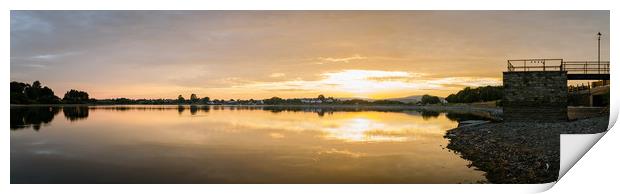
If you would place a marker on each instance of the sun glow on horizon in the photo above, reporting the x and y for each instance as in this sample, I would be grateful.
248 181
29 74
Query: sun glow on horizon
369 84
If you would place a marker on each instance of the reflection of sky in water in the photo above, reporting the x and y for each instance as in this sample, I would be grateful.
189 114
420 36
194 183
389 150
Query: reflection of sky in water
347 126
250 146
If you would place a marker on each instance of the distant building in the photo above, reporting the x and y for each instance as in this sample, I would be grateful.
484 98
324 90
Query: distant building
311 101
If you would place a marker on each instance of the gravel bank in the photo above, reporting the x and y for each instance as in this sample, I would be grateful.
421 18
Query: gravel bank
518 152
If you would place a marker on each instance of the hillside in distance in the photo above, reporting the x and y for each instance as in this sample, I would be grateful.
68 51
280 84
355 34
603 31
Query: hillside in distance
408 99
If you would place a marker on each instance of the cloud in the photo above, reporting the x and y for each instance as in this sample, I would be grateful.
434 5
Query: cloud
466 81
345 59
348 153
33 65
289 90
27 23
52 56
365 82
277 75
276 135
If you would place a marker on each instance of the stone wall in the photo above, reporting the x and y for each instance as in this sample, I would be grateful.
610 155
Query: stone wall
579 99
535 96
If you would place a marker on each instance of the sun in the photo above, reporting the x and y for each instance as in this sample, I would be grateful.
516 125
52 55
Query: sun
366 83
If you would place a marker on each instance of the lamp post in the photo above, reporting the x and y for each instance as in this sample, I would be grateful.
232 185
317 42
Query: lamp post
598 61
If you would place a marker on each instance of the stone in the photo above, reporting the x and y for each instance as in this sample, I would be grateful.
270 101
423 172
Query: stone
540 96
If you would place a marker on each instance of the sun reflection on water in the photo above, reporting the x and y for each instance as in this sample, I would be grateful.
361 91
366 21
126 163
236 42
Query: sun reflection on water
346 126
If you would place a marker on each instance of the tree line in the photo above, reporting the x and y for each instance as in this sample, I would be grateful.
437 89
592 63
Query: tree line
24 93
321 99
480 94
426 99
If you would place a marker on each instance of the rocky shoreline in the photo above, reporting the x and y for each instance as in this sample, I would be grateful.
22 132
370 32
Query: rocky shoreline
518 152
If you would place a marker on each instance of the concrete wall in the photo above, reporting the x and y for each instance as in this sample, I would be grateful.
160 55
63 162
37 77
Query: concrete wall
581 98
535 96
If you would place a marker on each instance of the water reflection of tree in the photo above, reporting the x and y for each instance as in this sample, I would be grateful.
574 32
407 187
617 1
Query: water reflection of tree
181 108
205 108
35 117
319 111
427 114
121 108
193 109
74 113
454 116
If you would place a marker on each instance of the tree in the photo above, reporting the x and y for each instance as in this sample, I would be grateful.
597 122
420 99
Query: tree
321 97
387 102
331 99
274 100
46 96
180 99
480 94
193 98
76 97
428 99
18 95
23 93
33 92
205 100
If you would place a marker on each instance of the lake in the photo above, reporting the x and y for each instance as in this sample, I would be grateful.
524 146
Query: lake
230 144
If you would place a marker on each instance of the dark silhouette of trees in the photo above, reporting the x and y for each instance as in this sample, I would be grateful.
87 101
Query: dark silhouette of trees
355 102
41 95
205 100
76 97
480 94
23 93
274 100
194 99
180 99
428 99
126 101
18 95
387 102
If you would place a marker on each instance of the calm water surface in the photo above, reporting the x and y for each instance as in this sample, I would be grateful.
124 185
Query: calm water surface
213 144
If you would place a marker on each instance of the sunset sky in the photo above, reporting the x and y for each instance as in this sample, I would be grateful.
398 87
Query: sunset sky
260 54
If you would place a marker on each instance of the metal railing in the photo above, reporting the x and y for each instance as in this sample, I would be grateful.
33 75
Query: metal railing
571 67
586 67
578 88
535 65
